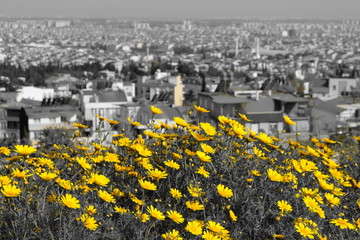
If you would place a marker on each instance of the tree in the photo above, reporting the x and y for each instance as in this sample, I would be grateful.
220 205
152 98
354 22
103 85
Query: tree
189 98
59 136
203 81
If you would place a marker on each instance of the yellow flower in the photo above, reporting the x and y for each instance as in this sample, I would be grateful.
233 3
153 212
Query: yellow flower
4 150
98 179
194 205
288 121
244 117
100 117
232 216
320 237
172 235
208 128
111 157
124 142
155 110
284 207
24 150
11 190
194 227
175 216
70 201
156 174
172 164
208 235
147 185
46 162
4 180
89 222
121 210
333 201
52 198
78 125
17 173
307 166
82 148
259 153
256 173
201 170
224 120
224 191
278 236
238 129
112 122
203 157
199 137
206 148
48 176
66 184
326 186
175 193
342 223
142 150
312 151
83 163
311 203
195 191
181 122
274 175
263 137
190 153
304 230
358 223
98 147
136 200
217 228
117 192
309 192
133 124
328 140
201 110
338 175
90 209
107 197
357 138
155 213
151 134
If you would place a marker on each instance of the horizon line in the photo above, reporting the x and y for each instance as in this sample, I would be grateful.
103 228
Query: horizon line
184 18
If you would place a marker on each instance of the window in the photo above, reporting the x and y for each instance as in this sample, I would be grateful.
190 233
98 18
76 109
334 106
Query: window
101 112
13 125
36 120
302 110
273 127
37 135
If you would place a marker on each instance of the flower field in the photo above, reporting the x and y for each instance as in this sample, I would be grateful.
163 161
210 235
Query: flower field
182 181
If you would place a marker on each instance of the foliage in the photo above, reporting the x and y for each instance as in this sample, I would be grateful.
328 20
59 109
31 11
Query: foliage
58 136
36 75
181 181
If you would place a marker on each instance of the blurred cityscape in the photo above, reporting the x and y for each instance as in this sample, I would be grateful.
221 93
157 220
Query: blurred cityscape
56 72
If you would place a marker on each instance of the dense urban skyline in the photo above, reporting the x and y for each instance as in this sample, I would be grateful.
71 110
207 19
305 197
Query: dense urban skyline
320 9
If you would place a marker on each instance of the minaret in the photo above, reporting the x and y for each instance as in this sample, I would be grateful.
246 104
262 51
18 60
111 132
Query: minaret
147 60
257 48
237 46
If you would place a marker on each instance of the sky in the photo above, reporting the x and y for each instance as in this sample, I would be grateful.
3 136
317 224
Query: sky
182 9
